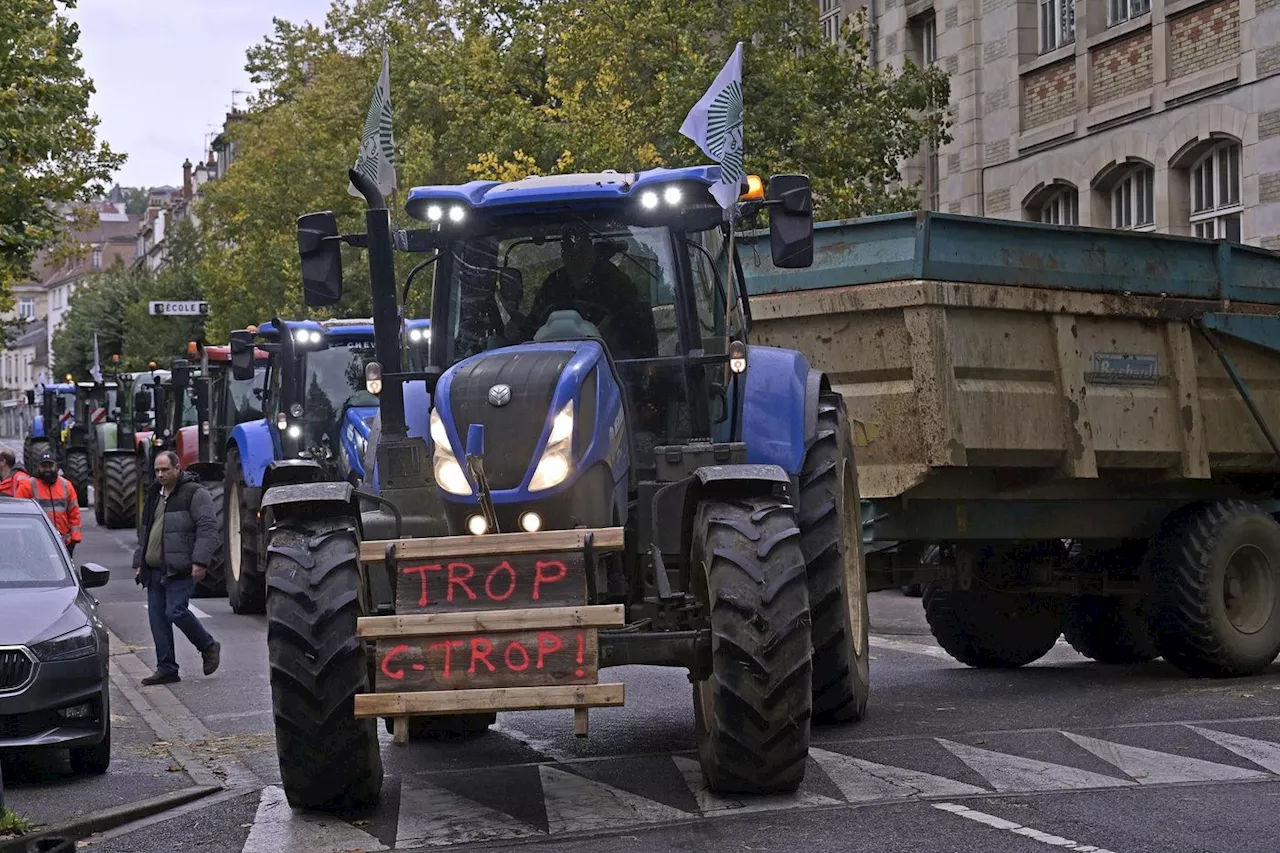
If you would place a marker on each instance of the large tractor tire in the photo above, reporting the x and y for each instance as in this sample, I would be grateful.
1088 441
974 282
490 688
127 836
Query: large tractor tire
1215 576
32 450
243 577
1109 630
831 540
989 629
214 583
752 713
120 490
79 470
329 759
99 502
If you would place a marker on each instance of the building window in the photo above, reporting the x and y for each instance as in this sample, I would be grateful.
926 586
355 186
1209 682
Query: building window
1060 208
97 257
924 39
27 307
932 180
1119 11
1057 24
829 18
1216 212
1133 205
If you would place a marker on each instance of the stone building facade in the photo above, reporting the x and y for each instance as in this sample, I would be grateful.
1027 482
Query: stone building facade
1156 115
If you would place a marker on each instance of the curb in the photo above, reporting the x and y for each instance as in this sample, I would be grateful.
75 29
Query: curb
109 818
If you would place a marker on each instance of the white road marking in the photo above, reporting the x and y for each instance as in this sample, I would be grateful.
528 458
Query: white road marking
865 781
277 827
1008 773
1018 829
431 816
1263 753
926 649
577 804
715 805
196 611
1150 767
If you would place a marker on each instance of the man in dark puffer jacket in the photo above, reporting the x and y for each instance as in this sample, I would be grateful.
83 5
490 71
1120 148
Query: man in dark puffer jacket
176 542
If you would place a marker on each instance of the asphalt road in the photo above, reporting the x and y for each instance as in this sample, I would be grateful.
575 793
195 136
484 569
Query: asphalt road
1062 754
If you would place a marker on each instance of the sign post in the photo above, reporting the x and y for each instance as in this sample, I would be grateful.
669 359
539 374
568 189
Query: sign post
191 308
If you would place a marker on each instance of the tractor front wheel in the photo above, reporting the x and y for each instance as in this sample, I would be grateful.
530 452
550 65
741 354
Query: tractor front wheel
79 470
32 451
119 490
329 758
243 577
752 713
214 583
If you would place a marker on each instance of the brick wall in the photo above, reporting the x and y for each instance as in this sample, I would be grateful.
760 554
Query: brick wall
996 152
1049 94
1204 37
1269 124
951 19
998 201
1261 6
1269 59
1121 68
1269 187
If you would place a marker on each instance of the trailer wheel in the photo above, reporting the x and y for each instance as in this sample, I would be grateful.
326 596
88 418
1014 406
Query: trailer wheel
79 471
214 583
831 539
329 759
119 490
752 713
1215 570
1109 630
32 451
243 579
989 629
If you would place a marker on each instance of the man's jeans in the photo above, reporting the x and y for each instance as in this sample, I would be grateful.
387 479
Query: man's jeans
167 606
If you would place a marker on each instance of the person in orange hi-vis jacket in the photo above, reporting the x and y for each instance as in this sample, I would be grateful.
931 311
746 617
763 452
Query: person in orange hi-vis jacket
58 498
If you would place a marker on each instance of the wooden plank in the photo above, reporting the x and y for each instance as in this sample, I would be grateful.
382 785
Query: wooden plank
479 661
400 730
493 544
581 722
480 701
1186 391
1080 459
491 583
489 621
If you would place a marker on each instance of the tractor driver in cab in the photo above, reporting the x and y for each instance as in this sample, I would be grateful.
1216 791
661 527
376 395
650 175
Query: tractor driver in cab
603 295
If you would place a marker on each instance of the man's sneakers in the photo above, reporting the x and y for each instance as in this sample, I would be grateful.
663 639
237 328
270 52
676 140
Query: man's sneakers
212 656
161 678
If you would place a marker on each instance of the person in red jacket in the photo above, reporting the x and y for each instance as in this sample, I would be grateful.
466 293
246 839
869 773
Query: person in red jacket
58 498
11 475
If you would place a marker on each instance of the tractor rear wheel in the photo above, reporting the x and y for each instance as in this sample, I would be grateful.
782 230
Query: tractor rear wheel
1215 571
329 758
246 586
99 502
831 539
752 713
32 451
214 583
79 471
120 490
989 629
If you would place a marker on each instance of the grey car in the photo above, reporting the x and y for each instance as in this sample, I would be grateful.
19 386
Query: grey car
53 647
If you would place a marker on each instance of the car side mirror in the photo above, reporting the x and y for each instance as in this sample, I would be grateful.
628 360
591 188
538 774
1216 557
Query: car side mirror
93 575
242 355
321 257
791 221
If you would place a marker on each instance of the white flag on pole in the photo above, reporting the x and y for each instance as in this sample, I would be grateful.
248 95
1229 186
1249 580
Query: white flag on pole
377 160
715 124
97 362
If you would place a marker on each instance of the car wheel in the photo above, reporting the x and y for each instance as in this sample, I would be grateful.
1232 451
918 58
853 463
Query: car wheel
94 759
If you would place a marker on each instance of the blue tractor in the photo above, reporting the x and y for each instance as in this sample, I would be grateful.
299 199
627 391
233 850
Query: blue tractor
315 422
595 468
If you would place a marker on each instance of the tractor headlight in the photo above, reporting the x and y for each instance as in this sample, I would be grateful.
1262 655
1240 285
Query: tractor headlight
556 460
448 473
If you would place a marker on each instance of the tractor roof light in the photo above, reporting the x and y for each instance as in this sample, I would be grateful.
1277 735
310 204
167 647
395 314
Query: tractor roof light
419 336
737 357
755 189
373 377
307 337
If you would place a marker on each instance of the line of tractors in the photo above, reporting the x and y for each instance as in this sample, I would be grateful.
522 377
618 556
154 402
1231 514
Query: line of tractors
301 405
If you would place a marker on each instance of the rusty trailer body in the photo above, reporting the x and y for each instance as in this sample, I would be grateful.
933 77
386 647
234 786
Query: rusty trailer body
1083 421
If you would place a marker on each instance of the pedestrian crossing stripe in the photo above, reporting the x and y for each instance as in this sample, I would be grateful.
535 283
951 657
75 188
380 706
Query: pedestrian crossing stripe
430 815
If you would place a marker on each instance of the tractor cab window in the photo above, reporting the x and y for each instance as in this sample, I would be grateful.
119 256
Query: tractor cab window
708 253
242 402
333 381
528 280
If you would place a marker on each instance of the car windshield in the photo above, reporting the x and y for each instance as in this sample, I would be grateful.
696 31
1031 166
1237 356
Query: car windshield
334 379
618 277
31 556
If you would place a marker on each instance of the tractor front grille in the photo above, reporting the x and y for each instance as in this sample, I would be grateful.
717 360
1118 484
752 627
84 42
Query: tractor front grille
511 431
15 669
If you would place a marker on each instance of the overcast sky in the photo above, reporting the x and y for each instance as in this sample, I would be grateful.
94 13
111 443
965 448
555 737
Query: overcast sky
165 71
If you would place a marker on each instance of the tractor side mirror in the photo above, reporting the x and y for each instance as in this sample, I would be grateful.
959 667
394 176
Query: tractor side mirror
791 221
201 394
321 259
242 355
180 372
141 404
31 397
62 405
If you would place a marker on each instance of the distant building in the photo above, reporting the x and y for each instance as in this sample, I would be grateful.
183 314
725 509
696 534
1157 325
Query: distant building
110 241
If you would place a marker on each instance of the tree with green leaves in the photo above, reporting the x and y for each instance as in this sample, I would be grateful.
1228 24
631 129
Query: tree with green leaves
50 156
502 89
100 304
